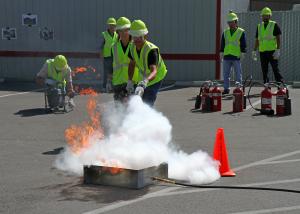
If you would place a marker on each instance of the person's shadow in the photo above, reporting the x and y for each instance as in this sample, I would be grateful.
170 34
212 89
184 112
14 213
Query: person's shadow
32 112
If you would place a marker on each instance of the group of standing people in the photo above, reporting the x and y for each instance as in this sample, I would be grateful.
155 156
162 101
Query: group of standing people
267 43
130 61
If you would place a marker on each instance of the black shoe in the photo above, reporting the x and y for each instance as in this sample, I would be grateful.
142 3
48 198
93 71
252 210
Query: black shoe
226 91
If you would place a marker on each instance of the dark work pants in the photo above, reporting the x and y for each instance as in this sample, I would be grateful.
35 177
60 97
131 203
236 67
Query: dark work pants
266 57
107 69
120 92
150 93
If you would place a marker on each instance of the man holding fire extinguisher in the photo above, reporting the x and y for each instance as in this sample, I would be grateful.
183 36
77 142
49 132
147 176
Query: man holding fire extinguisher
233 49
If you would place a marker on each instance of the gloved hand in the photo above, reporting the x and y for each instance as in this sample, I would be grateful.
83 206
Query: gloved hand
139 91
276 54
143 83
242 56
254 55
130 87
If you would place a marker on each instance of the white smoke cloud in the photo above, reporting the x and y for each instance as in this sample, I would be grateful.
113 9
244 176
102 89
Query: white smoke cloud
140 137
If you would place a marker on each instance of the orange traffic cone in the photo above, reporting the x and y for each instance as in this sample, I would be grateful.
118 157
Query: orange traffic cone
220 154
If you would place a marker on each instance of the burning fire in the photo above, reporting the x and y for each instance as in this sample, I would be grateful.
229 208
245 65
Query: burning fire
113 170
82 69
79 137
88 91
114 167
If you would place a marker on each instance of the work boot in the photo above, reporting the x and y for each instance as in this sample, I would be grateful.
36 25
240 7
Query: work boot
226 91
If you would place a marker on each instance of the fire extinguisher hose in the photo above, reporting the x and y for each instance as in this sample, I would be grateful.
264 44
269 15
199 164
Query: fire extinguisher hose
248 96
171 181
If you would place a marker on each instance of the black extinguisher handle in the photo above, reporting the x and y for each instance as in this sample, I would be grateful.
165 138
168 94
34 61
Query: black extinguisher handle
288 106
244 101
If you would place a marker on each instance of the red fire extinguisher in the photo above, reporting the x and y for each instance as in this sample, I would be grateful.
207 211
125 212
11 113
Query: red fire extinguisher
198 100
238 97
206 97
287 103
216 98
266 98
281 101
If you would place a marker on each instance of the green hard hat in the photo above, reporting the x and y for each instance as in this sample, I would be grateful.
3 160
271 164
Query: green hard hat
138 28
111 21
60 62
232 17
123 23
266 11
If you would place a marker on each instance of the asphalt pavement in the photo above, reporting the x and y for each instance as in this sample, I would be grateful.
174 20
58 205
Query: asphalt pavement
264 151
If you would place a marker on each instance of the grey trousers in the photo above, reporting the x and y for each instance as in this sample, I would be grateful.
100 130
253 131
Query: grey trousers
107 69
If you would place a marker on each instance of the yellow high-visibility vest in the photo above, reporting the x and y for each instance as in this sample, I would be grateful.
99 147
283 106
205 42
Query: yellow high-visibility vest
267 41
142 62
109 41
232 42
120 65
55 75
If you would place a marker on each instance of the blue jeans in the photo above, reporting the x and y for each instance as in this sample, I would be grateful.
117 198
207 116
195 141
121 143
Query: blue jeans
150 93
227 64
107 69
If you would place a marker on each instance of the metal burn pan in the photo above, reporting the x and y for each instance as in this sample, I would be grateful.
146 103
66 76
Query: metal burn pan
120 177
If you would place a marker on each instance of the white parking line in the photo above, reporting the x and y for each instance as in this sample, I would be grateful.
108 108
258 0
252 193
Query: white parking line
20 93
267 160
283 161
167 191
253 104
125 203
279 209
167 87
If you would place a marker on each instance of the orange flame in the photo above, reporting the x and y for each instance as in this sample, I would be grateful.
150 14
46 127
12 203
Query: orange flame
112 170
82 69
114 167
88 91
81 137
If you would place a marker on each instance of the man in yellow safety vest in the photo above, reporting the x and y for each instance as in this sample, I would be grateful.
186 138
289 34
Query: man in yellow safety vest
233 48
120 51
56 72
146 56
268 44
109 38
